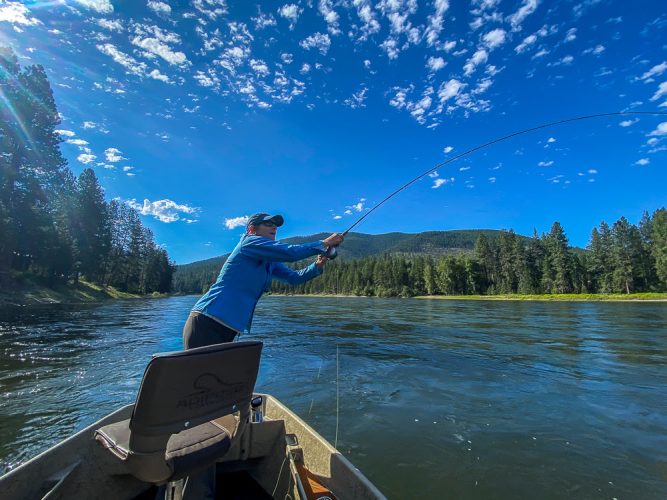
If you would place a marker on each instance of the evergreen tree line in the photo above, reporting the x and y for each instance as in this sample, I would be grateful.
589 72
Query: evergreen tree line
623 258
54 226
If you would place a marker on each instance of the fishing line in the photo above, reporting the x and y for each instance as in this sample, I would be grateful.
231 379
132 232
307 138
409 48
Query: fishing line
495 141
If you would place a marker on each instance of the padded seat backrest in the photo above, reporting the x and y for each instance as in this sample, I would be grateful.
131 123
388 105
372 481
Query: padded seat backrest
184 389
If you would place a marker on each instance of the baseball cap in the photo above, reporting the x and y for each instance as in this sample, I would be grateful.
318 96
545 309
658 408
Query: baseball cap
259 218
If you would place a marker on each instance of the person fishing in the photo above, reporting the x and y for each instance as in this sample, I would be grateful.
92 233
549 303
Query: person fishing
228 307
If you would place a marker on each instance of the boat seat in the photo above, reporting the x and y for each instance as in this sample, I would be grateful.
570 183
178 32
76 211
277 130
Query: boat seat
191 405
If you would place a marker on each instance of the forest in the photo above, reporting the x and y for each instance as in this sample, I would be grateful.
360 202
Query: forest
57 228
623 258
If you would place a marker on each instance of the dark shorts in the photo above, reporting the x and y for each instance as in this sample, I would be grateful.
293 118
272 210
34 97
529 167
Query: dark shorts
200 331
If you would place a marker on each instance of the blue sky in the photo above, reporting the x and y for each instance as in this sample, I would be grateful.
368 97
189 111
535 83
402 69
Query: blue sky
201 112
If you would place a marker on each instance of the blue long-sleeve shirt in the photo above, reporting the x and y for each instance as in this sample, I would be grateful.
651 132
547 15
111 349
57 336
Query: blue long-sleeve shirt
247 274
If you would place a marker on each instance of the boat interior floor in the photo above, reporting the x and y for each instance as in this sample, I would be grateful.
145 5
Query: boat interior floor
232 485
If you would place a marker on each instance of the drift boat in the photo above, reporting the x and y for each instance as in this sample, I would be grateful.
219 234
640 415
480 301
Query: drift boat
196 411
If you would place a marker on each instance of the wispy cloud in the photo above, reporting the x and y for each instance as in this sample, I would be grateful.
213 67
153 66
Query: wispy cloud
656 70
627 123
164 210
86 158
660 130
440 181
101 6
526 9
113 155
291 13
318 41
234 222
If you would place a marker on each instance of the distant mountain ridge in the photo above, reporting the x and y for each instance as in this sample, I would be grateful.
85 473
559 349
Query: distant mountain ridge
193 277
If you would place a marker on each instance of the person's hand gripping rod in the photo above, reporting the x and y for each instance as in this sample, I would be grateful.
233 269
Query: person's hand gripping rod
332 243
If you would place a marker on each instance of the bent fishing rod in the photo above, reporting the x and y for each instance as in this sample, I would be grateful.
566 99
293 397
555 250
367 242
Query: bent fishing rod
332 252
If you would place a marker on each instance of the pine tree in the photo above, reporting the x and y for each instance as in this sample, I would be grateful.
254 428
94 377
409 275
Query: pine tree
659 246
559 260
93 228
626 248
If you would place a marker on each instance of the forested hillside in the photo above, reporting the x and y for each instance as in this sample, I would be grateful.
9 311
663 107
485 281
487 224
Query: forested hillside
198 276
55 227
623 258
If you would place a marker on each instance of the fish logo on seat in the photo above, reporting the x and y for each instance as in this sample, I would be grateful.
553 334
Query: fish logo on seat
211 390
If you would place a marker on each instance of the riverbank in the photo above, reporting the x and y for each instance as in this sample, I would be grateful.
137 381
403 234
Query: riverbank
564 297
31 293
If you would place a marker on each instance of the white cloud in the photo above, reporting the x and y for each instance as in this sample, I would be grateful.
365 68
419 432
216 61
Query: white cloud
526 9
263 20
627 123
357 207
592 171
571 35
157 41
450 89
448 149
113 155
656 70
290 12
439 182
86 158
336 217
662 90
370 24
357 99
235 222
545 163
527 42
128 62
643 161
660 130
210 8
479 57
494 38
160 8
551 139
87 125
65 133
114 25
492 180
17 13
330 16
77 142
207 80
597 50
436 22
463 169
259 67
435 63
565 61
127 168
163 210
390 46
156 75
101 6
320 41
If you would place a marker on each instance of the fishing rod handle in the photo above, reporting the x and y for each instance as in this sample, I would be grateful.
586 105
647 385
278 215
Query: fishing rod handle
331 253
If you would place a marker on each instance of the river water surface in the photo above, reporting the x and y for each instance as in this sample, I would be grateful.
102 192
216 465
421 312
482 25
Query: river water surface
437 399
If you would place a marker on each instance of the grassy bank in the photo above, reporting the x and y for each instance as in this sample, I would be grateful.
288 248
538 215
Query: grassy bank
30 292
567 297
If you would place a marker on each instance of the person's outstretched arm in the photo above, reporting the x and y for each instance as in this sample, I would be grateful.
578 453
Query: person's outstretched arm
263 248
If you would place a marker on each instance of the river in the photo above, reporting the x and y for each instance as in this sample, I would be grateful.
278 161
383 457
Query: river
456 399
